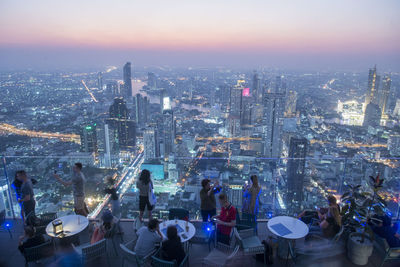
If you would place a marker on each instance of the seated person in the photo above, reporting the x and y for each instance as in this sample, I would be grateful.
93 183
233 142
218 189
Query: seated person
107 223
29 239
330 224
148 238
172 248
319 213
387 231
226 220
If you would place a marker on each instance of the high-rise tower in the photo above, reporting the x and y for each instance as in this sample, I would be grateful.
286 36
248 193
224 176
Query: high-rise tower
296 169
384 95
127 88
373 86
274 104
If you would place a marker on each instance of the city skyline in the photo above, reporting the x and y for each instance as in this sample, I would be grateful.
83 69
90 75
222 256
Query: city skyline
341 34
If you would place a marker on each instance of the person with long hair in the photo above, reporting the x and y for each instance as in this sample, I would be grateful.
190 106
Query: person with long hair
172 248
251 195
144 184
107 223
115 205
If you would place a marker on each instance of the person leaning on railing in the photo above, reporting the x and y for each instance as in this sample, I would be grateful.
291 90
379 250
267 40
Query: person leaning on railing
27 197
251 193
145 185
78 187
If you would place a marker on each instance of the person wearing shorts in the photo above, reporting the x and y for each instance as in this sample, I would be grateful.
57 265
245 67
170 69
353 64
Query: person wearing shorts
144 184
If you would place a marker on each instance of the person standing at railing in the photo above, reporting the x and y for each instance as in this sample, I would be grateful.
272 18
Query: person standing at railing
115 205
27 198
78 187
251 194
208 205
145 186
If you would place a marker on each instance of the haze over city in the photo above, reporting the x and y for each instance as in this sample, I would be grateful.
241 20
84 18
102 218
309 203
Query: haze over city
308 34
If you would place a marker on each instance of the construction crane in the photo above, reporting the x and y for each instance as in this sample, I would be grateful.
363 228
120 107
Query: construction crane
90 93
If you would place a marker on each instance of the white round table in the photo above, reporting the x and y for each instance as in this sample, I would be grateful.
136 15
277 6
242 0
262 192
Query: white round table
297 228
288 228
72 225
185 235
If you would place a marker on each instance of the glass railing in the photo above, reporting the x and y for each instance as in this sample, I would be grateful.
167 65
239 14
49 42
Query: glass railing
288 185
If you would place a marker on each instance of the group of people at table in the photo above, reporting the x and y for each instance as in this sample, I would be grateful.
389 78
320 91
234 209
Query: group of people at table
327 221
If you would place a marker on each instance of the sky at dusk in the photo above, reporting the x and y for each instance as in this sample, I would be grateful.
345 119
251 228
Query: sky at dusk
302 34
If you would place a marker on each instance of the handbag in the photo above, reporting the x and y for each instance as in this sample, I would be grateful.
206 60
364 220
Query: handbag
152 196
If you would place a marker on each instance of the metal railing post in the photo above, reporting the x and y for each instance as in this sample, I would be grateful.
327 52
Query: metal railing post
10 201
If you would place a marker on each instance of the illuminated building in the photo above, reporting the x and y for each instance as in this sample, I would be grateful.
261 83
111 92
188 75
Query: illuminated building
256 90
112 88
235 102
384 95
127 88
290 105
296 169
120 122
274 104
162 96
89 138
394 145
100 81
351 112
246 109
107 146
150 143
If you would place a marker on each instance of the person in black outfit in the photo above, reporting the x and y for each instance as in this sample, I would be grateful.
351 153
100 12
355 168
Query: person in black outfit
386 230
172 248
29 239
17 184
115 205
208 206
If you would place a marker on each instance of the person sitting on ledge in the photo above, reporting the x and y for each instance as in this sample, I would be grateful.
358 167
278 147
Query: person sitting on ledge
319 213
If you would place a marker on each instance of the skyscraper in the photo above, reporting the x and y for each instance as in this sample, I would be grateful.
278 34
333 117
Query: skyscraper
89 138
151 81
122 124
372 115
107 145
247 108
168 132
150 143
100 81
141 104
235 103
127 88
256 90
290 105
274 104
162 95
373 86
384 95
296 169
112 88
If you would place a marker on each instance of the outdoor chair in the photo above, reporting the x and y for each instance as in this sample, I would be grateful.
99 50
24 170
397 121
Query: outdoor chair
250 243
221 255
90 252
387 252
39 252
111 234
203 234
157 262
130 256
178 213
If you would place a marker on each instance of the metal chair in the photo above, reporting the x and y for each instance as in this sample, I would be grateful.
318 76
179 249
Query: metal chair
221 255
46 218
130 256
178 213
250 243
203 234
388 252
36 253
89 252
3 222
